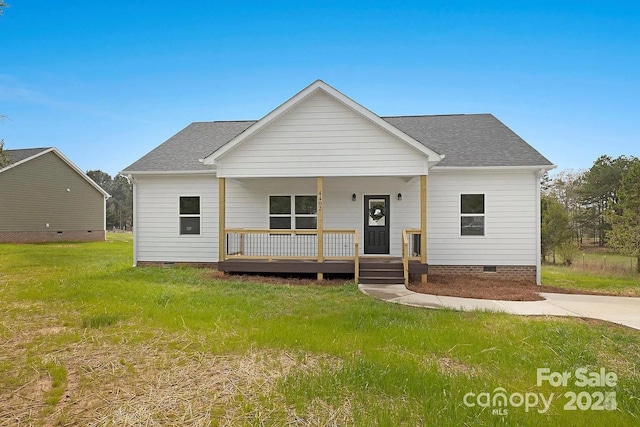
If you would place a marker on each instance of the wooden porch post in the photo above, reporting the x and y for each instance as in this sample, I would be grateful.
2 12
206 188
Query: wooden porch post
221 219
320 226
423 224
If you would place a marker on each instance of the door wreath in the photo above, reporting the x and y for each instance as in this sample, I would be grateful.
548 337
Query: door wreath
376 211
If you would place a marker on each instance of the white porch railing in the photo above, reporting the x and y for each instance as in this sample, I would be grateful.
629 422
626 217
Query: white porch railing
301 245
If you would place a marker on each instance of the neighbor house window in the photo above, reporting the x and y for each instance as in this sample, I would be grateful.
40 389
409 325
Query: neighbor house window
293 212
472 214
190 215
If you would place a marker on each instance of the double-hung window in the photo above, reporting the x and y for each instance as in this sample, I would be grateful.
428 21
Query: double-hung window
293 212
190 215
472 214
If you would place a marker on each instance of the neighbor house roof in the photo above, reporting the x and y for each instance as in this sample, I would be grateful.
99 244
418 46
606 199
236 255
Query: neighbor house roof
466 140
20 156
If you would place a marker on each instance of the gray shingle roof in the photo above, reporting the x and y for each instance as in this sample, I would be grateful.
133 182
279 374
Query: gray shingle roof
466 140
469 140
19 155
182 151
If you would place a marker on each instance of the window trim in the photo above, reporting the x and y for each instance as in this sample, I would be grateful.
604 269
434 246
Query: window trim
198 215
469 215
292 215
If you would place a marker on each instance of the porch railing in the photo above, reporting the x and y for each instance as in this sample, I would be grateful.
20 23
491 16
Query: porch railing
410 250
272 245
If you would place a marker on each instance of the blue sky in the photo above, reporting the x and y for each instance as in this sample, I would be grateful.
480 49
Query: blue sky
106 82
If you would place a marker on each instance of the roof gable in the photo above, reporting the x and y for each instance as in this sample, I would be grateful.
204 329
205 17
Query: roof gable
20 156
319 87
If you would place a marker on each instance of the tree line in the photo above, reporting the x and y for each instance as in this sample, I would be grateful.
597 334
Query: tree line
598 206
120 204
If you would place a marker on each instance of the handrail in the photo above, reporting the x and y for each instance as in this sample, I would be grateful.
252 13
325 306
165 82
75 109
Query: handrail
405 257
286 231
356 254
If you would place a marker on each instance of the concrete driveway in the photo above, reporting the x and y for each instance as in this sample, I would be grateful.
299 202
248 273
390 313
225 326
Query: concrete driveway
621 310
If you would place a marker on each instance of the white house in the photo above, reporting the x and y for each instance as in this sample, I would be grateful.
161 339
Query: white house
323 185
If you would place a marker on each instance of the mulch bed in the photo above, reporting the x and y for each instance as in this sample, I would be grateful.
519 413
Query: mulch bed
469 286
465 286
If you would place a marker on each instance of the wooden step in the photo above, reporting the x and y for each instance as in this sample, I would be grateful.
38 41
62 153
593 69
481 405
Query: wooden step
381 271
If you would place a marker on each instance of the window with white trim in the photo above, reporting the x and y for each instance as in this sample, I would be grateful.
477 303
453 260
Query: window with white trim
190 215
293 212
472 214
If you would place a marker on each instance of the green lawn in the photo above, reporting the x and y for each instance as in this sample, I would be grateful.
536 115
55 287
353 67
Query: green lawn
87 339
596 269
589 280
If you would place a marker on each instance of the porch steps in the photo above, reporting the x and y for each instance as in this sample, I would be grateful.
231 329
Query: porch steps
381 271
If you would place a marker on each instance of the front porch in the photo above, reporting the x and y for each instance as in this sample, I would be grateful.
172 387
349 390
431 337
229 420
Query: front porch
370 270
378 248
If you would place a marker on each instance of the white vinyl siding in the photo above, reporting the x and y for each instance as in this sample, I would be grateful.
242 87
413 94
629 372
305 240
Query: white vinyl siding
510 213
158 219
322 137
510 218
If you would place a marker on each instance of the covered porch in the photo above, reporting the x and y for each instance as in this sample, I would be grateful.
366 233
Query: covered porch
370 227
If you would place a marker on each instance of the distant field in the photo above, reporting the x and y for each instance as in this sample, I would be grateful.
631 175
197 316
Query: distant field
596 269
85 339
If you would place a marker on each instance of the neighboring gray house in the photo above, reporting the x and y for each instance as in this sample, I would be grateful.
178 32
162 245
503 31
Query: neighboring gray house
323 185
44 197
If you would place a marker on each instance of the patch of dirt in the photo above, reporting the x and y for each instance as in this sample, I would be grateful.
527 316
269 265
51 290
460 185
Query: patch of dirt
275 279
156 382
450 366
489 287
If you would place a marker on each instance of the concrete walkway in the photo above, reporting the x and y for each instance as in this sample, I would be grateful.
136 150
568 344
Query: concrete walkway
621 310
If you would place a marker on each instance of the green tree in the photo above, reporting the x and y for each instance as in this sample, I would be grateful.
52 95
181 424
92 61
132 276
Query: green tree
599 190
555 229
4 157
120 204
564 187
624 235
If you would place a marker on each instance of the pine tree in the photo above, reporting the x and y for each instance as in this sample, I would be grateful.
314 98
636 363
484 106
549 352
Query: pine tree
624 235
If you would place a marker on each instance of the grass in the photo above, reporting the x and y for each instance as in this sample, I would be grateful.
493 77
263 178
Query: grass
565 277
596 270
86 339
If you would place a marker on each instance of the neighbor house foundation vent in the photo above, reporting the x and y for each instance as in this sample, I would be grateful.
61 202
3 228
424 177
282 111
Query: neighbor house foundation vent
489 269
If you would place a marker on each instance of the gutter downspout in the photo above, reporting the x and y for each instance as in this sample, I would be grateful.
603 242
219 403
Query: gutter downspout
538 175
135 220
104 209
